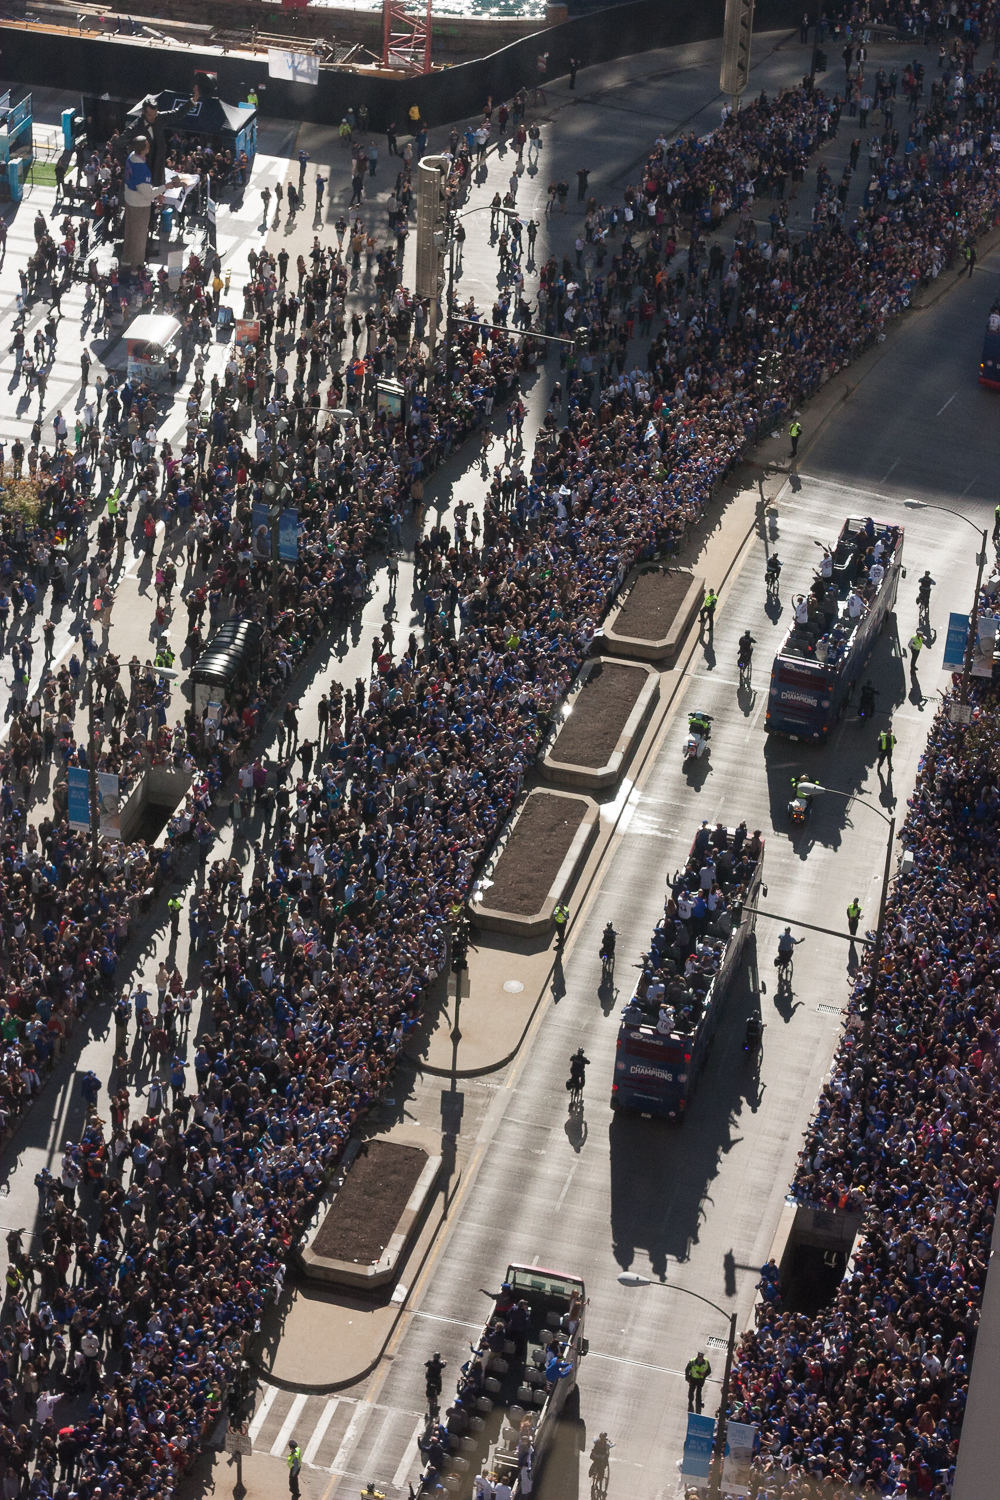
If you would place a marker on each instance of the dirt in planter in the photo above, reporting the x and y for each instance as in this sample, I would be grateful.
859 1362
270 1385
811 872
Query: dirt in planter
600 711
530 863
363 1216
651 607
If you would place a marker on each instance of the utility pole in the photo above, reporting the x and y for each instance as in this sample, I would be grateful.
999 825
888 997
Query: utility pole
970 643
95 811
816 44
432 237
719 1455
737 37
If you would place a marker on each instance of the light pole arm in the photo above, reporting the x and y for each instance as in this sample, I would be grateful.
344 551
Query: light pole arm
675 1288
853 797
949 512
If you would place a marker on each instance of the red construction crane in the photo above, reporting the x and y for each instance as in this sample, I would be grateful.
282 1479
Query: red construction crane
406 36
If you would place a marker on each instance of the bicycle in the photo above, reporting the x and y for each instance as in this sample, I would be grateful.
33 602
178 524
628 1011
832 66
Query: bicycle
600 1456
786 967
746 668
575 1087
608 965
599 1480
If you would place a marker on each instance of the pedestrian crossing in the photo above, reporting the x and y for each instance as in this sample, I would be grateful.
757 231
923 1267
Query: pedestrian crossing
340 1435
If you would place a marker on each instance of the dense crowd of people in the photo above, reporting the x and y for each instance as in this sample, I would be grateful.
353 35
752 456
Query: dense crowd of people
870 1392
315 970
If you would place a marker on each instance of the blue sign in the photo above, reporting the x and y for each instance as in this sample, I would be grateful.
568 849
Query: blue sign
698 1445
956 641
78 797
288 536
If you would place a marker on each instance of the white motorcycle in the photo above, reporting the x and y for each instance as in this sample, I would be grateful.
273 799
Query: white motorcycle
698 735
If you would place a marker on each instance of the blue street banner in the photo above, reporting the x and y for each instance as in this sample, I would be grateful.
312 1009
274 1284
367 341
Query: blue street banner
955 641
288 536
697 1461
78 797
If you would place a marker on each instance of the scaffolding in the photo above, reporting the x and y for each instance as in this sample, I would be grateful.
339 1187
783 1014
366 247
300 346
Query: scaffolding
406 36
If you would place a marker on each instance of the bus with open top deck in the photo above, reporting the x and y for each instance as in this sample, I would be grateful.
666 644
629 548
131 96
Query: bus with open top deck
695 955
834 629
513 1389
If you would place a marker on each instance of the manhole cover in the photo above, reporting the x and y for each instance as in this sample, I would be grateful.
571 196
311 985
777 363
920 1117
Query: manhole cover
828 1010
513 986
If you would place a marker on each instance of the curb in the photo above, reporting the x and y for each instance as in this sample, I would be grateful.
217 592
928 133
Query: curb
267 1377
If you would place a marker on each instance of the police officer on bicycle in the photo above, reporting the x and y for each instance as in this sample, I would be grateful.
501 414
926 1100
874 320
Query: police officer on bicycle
786 947
600 1454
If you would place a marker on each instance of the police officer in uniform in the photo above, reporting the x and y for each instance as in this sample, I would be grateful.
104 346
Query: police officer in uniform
561 919
294 1462
795 432
886 740
696 1373
916 644
853 916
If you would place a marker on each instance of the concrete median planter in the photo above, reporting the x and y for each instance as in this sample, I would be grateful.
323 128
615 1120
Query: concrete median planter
549 839
377 1273
599 678
657 599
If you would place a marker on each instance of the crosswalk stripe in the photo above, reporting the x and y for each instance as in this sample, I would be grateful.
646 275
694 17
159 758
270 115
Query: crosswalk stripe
287 1426
406 1462
260 1417
360 1416
319 1432
375 1452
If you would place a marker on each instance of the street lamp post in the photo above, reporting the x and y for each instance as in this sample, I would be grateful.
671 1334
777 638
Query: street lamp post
812 789
632 1278
974 614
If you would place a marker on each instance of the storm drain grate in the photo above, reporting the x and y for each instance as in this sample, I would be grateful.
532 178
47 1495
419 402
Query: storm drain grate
714 1342
828 1010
